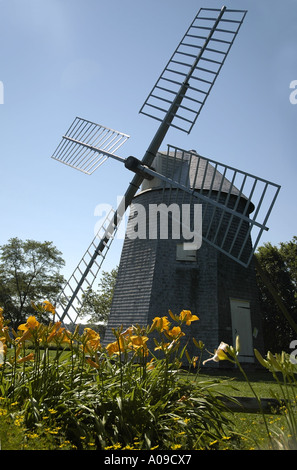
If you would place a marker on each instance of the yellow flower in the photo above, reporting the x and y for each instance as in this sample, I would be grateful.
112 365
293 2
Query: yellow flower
60 335
161 323
92 363
138 341
93 340
187 317
138 344
29 357
163 346
3 347
117 346
31 324
53 331
151 364
48 307
194 361
91 334
28 328
112 348
175 332
220 353
19 420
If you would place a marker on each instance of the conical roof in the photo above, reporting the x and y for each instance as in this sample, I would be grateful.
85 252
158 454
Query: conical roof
196 173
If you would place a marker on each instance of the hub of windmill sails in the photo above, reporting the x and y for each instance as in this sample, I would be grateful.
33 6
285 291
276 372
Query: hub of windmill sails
135 165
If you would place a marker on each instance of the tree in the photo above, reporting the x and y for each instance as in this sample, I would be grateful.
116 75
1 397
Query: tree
97 305
280 266
29 272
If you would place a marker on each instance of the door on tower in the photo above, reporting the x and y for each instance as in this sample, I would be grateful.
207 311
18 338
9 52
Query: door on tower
242 326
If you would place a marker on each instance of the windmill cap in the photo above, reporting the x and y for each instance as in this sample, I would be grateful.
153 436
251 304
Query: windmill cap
197 173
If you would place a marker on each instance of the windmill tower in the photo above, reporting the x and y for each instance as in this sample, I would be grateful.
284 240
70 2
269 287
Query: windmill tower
213 276
218 206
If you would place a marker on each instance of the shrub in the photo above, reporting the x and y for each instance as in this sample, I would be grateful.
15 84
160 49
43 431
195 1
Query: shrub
118 396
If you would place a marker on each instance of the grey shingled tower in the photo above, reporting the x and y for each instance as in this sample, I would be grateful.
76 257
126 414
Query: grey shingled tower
159 274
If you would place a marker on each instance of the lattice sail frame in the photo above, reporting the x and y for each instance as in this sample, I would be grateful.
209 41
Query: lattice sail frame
76 288
236 204
204 47
87 145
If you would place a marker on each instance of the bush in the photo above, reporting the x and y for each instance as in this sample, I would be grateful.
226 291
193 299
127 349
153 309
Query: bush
118 396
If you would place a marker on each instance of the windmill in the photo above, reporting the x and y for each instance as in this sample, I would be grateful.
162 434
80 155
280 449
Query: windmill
226 195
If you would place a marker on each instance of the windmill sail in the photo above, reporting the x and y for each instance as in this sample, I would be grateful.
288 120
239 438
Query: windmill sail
197 60
86 145
236 204
71 299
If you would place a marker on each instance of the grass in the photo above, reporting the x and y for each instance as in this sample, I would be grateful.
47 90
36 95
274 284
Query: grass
248 426
232 383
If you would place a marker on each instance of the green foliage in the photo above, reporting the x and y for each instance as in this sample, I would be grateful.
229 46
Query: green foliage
97 305
29 272
280 264
283 368
62 390
118 396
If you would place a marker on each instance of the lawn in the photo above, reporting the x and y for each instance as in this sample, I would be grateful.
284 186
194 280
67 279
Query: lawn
249 426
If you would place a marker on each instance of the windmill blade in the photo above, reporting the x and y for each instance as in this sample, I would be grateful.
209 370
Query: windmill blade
86 145
71 299
236 204
196 61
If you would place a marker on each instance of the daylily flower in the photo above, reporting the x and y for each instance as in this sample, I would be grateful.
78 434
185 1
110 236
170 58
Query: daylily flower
175 332
112 348
91 334
29 357
194 361
63 336
161 323
48 307
93 340
187 317
28 328
220 353
117 346
3 350
92 363
129 331
31 324
138 343
53 331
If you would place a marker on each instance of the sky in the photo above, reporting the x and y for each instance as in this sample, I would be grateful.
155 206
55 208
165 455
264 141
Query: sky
99 60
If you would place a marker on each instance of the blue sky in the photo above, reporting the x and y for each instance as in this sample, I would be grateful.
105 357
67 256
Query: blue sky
99 60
